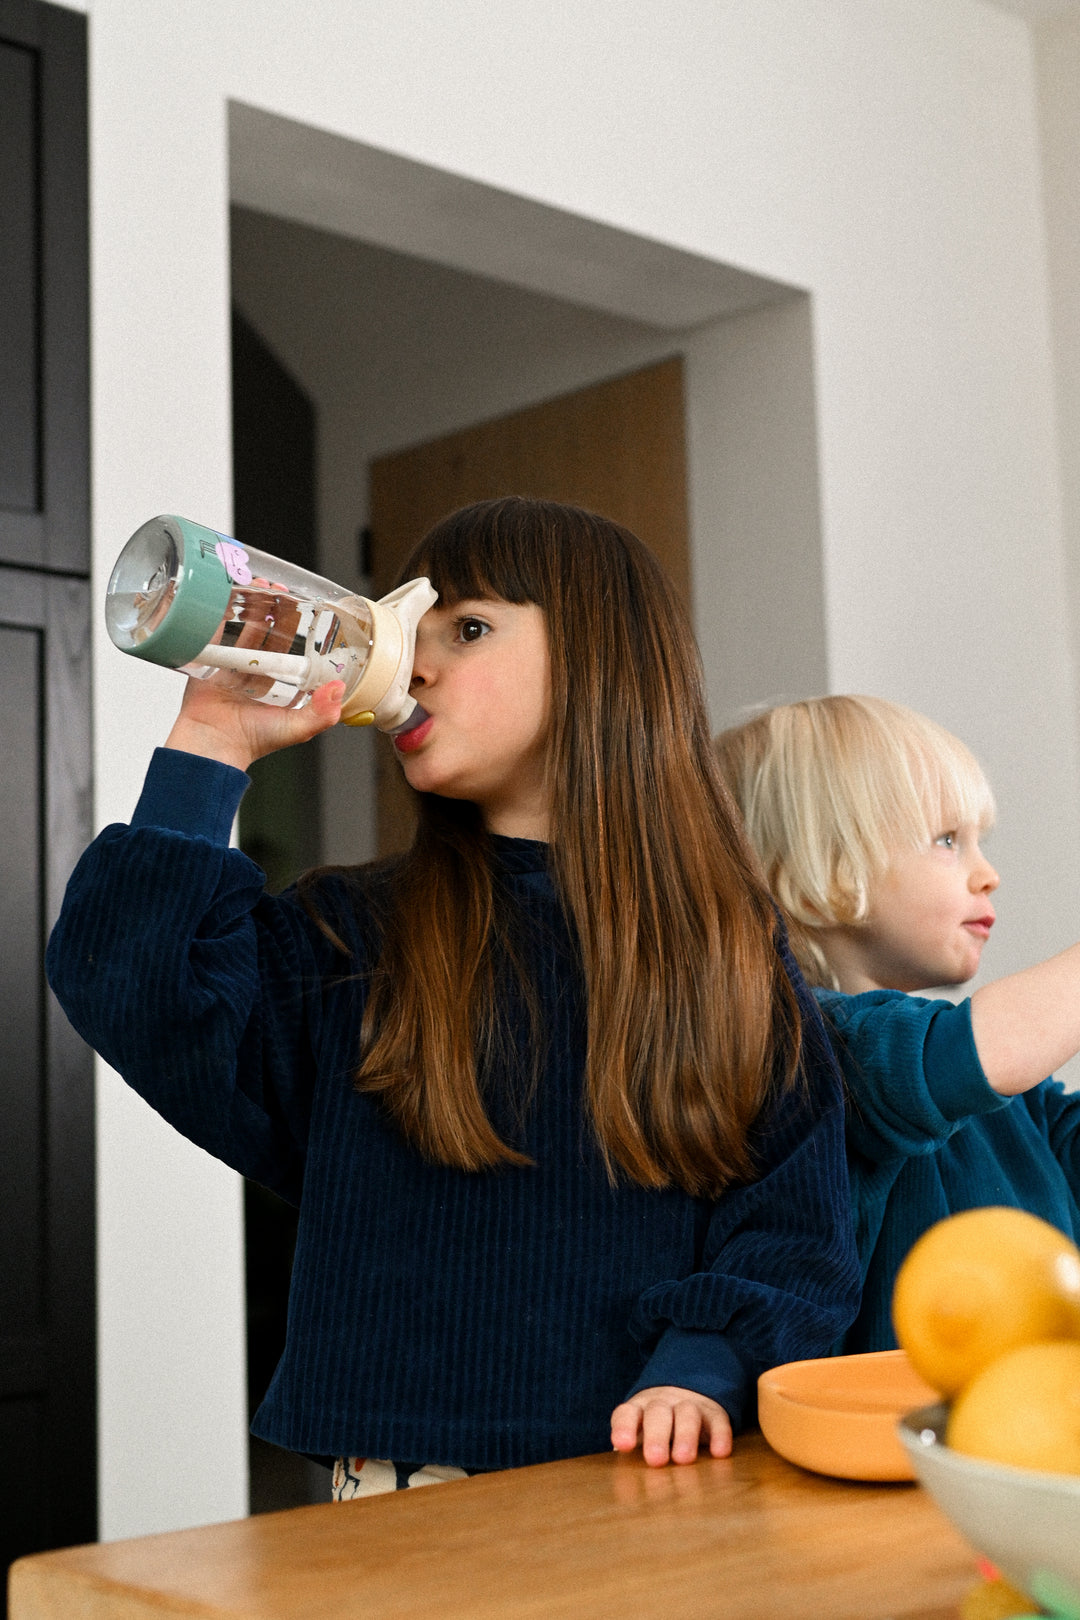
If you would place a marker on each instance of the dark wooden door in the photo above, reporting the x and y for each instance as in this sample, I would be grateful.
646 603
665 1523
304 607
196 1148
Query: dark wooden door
48 1463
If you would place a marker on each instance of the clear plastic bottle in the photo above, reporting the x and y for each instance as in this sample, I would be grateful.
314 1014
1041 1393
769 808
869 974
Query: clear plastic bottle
195 600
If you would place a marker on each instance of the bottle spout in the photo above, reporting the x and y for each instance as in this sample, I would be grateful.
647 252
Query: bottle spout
410 602
417 718
383 695
399 712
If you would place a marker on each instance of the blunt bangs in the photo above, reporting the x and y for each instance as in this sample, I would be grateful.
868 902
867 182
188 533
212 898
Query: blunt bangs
492 548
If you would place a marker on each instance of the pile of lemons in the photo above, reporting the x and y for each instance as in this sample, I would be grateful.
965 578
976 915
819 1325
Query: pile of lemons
987 1307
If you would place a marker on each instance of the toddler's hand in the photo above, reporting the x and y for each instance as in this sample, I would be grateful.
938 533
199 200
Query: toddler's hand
671 1424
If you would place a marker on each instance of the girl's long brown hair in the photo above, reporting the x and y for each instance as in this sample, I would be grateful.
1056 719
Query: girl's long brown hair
692 1021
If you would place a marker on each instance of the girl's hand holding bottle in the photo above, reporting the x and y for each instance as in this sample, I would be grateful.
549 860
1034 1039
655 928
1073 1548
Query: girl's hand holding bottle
226 726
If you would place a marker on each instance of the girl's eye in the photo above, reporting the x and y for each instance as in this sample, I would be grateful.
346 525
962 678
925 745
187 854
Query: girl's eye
472 629
946 840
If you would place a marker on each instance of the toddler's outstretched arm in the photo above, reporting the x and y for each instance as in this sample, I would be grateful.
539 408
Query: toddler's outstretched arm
670 1424
1028 1025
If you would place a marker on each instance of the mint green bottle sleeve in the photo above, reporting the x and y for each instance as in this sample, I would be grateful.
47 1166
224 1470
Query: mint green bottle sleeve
168 592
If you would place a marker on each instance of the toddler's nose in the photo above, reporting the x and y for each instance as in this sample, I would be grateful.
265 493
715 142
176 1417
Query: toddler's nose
983 876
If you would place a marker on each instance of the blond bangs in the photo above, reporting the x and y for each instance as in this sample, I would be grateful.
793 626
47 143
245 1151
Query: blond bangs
948 780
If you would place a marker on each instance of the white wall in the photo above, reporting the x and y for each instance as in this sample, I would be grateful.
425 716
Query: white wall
1057 44
881 154
752 454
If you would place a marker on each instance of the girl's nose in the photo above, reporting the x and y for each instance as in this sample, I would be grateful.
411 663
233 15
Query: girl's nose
422 665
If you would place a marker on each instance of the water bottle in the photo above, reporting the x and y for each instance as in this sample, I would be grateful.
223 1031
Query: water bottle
195 600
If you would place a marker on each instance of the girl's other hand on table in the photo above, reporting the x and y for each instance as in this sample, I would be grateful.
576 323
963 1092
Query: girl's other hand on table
671 1424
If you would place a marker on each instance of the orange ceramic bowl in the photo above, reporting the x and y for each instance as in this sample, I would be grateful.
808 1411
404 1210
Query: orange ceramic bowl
839 1415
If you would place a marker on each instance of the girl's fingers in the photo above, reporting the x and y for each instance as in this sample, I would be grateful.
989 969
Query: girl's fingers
686 1435
270 729
671 1425
656 1432
326 704
626 1426
224 725
720 1436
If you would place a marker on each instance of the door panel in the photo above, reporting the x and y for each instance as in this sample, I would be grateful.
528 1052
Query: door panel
21 1208
44 426
48 1463
47 1335
616 448
19 323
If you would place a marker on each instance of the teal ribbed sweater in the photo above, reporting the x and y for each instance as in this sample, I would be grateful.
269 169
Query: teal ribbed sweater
928 1136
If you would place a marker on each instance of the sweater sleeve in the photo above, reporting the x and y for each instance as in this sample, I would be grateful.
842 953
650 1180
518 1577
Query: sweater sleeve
200 992
911 1068
1060 1121
779 1278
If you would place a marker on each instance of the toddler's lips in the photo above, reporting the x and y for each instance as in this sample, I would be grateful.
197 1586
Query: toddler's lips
980 926
407 741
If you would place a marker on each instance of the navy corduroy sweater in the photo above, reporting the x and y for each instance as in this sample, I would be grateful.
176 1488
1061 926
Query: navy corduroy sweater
485 1320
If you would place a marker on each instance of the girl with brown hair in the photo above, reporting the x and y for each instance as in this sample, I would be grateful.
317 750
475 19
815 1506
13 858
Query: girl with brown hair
559 1114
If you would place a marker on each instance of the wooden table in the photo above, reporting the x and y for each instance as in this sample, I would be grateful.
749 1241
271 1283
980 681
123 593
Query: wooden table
748 1538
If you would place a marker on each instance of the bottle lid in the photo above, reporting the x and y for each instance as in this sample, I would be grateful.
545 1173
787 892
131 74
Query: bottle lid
170 588
382 692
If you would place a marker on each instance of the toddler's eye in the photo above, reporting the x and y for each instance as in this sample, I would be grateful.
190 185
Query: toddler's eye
946 840
472 629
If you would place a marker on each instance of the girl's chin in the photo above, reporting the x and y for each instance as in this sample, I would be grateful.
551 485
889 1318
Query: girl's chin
423 778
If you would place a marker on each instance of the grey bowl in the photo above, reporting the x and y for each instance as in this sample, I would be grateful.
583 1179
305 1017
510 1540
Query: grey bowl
1026 1523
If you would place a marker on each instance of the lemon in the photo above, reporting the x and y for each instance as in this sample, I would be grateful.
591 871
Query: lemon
1023 1409
995 1600
980 1284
